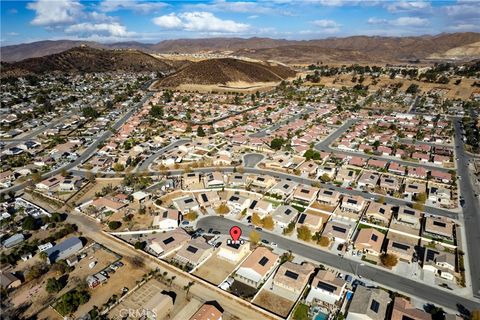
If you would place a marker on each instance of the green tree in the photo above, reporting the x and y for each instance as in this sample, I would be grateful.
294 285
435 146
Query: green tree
200 131
114 225
54 285
29 223
277 143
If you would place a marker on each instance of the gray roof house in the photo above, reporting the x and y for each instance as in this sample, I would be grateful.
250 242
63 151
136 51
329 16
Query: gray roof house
64 249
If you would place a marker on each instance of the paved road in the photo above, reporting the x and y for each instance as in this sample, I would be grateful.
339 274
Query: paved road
91 149
383 277
263 133
471 210
149 160
250 160
325 146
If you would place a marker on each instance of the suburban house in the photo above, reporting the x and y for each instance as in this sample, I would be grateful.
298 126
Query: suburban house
214 180
237 180
190 179
208 311
380 213
64 249
193 252
346 175
337 231
260 207
262 182
233 253
352 203
293 277
402 250
283 188
308 168
168 219
328 197
107 204
403 309
408 216
389 184
311 221
283 215
368 304
208 199
238 202
440 263
168 242
326 288
413 188
328 170
305 194
438 226
8 280
186 203
256 268
368 180
440 195
370 241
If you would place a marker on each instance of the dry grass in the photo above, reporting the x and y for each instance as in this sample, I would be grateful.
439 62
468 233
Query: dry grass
215 270
274 303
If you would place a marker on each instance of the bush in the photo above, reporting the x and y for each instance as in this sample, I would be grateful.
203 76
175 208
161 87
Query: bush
54 285
70 301
304 233
324 241
114 225
389 260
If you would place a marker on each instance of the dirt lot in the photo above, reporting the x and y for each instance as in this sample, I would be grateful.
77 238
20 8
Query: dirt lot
215 270
142 295
274 303
99 184
324 207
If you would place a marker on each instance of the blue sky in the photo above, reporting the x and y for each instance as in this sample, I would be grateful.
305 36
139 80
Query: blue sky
153 21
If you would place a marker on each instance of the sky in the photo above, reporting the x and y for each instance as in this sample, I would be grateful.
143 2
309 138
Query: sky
153 21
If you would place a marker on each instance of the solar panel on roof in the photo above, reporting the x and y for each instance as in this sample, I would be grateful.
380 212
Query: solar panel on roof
285 186
374 237
328 192
352 201
303 216
233 198
168 240
165 214
304 191
440 224
263 261
408 211
288 211
400 246
291 274
381 210
374 306
204 197
254 203
339 229
260 179
326 286
189 200
192 249
235 246
431 254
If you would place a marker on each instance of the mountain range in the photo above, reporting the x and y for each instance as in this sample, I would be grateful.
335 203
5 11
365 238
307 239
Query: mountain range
464 46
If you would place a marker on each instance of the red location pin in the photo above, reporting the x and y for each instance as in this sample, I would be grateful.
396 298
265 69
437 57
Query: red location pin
235 233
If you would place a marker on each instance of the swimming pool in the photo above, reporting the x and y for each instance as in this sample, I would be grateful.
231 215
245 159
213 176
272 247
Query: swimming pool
321 316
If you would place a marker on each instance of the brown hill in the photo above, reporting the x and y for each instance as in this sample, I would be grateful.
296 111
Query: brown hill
87 59
223 71
351 49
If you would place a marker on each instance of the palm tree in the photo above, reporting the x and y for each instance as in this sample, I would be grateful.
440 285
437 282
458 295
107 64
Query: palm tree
187 287
171 280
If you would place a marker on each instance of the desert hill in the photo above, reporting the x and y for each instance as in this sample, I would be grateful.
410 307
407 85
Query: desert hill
87 59
348 49
223 71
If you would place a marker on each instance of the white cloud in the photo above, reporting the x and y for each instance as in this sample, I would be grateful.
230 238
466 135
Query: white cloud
253 17
110 29
327 26
13 34
376 21
59 12
169 21
137 6
403 6
236 6
199 21
464 27
409 22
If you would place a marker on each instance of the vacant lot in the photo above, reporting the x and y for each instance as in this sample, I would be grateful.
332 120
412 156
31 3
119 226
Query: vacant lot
215 270
274 303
